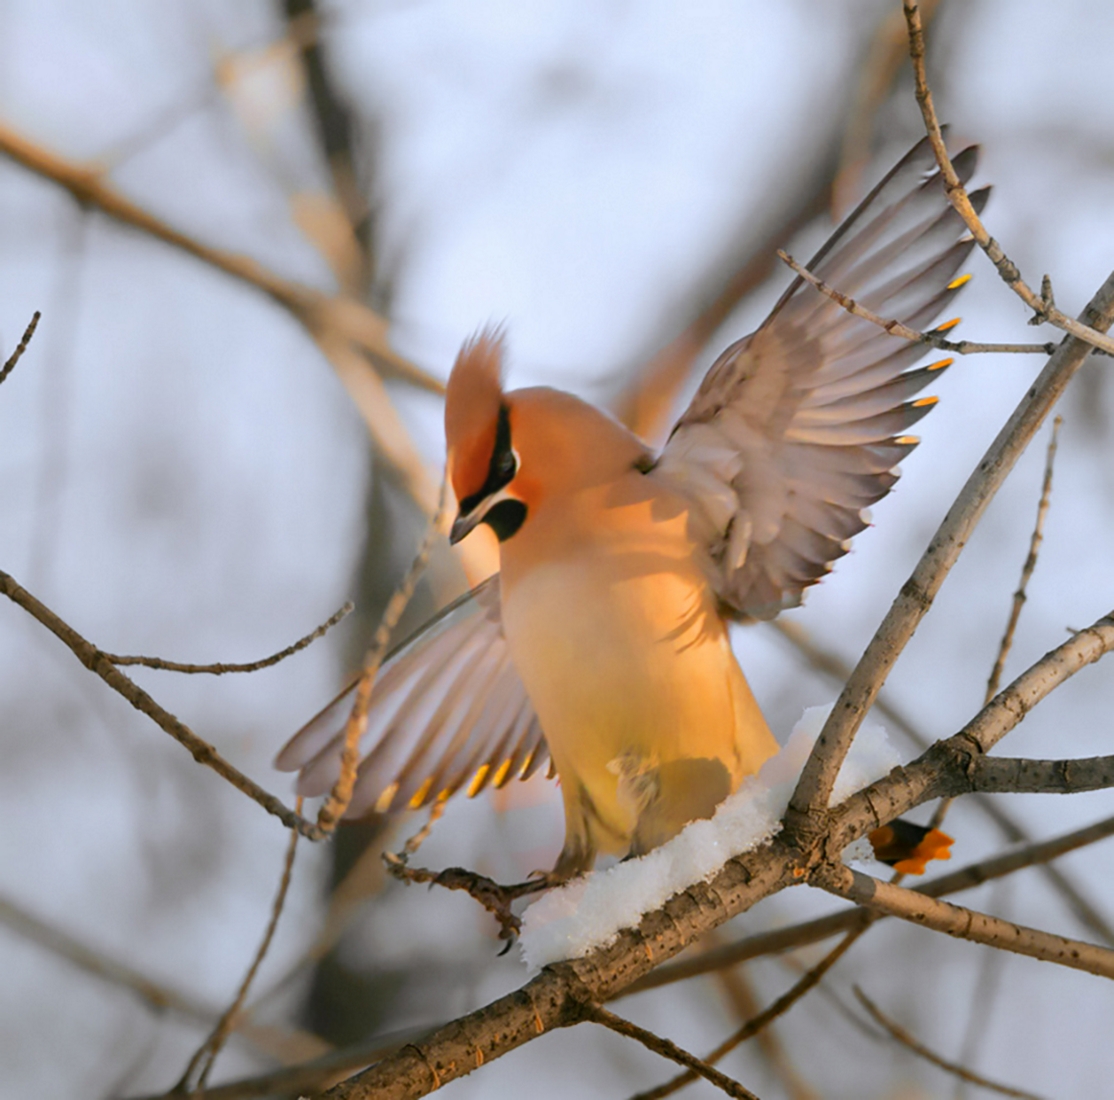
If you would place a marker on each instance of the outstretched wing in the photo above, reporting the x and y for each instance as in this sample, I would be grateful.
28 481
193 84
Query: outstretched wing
797 428
447 708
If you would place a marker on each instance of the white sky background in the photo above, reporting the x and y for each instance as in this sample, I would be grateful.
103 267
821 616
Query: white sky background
182 474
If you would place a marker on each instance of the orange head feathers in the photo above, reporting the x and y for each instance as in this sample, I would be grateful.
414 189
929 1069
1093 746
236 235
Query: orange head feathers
473 400
559 443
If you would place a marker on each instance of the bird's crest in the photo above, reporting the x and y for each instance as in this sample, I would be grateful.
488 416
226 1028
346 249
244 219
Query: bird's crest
473 397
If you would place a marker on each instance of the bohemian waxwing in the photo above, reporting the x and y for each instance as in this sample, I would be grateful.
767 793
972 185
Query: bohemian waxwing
602 643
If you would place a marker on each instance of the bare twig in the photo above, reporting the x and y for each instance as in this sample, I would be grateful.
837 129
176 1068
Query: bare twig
1042 305
1035 541
966 924
221 668
897 328
21 347
340 796
202 1062
667 1049
810 799
204 753
918 1048
752 1027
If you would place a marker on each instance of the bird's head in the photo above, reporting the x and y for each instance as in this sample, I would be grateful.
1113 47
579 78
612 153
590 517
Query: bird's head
509 453
482 461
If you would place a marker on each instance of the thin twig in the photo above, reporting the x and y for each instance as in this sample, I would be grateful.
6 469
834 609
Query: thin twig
822 928
752 1027
966 924
202 1062
1035 541
21 347
221 668
340 796
1042 305
898 328
668 1050
810 799
204 753
918 1048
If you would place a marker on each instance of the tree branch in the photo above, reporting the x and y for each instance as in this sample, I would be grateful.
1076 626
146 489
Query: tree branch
897 328
220 668
1042 305
810 799
21 347
800 935
695 1066
966 924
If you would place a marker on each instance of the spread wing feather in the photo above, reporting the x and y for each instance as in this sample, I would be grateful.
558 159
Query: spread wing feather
447 709
799 427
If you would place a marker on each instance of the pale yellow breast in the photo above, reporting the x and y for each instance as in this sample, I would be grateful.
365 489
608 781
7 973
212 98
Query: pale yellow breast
615 634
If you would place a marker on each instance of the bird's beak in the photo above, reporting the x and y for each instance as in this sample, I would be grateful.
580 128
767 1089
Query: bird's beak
463 525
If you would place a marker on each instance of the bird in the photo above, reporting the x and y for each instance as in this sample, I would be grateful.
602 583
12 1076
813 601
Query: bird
602 644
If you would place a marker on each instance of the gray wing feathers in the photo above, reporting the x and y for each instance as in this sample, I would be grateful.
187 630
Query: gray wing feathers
448 708
799 427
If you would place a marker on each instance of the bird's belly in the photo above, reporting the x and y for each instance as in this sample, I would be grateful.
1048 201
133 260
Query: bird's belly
629 668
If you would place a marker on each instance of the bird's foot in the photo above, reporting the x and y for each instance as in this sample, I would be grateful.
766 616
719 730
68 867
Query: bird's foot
496 898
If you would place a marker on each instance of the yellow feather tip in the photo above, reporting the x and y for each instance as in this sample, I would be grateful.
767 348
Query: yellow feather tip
940 364
383 802
947 326
922 402
420 794
478 781
958 281
908 440
500 776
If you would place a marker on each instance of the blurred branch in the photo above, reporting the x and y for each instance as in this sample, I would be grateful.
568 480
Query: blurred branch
907 1040
736 984
645 404
21 347
333 123
318 312
207 1053
896 328
915 598
965 924
832 665
1043 307
754 1026
695 1066
219 669
154 995
1035 541
887 52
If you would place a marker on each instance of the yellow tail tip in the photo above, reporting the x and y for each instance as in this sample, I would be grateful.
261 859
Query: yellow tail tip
958 281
